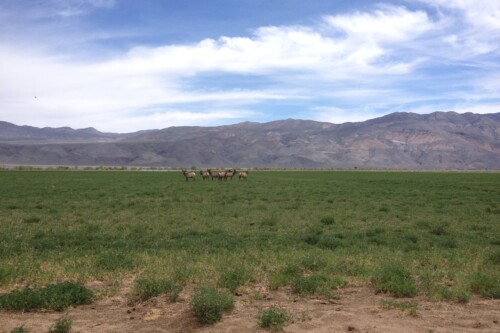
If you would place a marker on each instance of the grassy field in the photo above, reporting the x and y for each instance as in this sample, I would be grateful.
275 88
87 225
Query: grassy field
435 234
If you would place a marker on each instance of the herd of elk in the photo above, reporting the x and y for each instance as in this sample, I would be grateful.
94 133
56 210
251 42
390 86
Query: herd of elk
216 174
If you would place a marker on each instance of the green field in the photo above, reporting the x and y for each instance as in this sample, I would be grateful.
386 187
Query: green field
312 231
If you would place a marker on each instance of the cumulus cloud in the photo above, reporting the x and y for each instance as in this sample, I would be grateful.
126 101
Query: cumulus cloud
366 41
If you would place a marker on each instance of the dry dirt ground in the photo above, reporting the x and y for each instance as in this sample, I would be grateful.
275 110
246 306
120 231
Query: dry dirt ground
358 310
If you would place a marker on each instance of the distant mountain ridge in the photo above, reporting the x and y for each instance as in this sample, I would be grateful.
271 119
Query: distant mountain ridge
439 140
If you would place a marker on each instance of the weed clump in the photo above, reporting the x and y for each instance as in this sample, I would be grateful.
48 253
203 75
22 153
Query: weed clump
328 220
145 289
439 230
208 304
493 258
274 318
62 325
32 219
330 242
308 285
411 307
284 276
313 262
384 209
316 284
19 329
394 279
232 278
53 297
484 284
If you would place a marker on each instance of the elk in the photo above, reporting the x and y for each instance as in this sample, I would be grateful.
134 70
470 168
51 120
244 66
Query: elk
213 173
189 175
221 175
243 174
230 173
205 174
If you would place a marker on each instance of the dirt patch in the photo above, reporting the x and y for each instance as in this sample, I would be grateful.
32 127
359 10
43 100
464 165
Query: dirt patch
358 310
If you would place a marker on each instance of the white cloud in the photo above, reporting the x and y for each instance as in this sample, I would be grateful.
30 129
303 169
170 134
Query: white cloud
335 115
367 58
388 24
483 108
474 25
369 38
167 118
69 8
484 13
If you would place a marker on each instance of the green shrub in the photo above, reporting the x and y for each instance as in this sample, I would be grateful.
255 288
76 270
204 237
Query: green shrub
284 276
145 289
384 209
307 285
19 329
54 297
484 284
330 242
461 296
313 262
62 325
6 274
232 278
269 222
447 242
32 219
394 279
311 239
328 220
319 285
439 230
274 318
208 304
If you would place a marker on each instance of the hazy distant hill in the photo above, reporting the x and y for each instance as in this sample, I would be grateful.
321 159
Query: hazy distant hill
440 140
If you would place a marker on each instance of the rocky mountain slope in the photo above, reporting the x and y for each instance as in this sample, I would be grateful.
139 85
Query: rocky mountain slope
440 140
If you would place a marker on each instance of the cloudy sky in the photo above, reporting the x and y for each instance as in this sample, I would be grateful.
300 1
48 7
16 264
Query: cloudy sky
128 65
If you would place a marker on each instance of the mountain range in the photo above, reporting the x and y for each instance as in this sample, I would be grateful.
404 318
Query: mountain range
439 140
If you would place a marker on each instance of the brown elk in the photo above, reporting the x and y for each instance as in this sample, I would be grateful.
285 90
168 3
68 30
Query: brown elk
230 173
189 175
243 174
216 174
213 173
205 174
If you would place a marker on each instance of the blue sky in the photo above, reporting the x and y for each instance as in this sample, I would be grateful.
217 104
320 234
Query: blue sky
128 65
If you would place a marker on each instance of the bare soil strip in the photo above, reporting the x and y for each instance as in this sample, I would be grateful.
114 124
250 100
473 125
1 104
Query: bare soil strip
358 310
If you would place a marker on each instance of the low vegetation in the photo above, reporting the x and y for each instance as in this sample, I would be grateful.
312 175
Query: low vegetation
274 318
410 307
62 325
19 329
393 278
56 297
209 304
145 289
401 233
